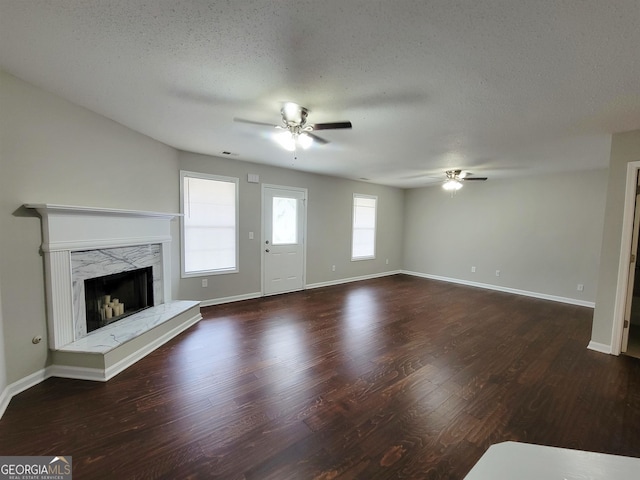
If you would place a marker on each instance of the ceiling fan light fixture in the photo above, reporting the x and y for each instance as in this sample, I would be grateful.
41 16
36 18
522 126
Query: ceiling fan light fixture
290 140
285 140
305 140
452 185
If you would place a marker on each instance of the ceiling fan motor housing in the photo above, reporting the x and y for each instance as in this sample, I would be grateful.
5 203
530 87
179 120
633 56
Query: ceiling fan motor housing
294 115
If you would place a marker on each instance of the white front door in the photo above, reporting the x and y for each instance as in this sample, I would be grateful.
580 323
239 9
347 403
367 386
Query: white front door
283 242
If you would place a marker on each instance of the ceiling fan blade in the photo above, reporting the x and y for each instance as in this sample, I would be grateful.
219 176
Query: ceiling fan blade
318 139
466 179
252 122
331 126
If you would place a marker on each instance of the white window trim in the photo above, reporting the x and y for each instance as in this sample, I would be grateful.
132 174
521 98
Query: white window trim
375 227
220 178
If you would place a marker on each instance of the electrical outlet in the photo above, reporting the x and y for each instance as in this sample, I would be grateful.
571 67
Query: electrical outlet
333 268
205 282
387 261
497 273
580 287
473 269
250 235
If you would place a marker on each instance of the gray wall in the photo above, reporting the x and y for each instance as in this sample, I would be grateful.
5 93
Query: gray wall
329 210
3 366
543 233
625 148
55 152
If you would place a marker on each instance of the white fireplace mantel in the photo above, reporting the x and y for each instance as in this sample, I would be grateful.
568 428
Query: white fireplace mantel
67 229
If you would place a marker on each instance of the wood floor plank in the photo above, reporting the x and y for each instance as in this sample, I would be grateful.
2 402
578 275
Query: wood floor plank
397 377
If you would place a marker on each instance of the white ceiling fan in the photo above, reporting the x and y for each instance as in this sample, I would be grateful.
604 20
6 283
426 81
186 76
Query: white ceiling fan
294 130
456 177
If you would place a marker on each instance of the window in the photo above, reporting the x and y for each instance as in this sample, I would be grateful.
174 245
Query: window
209 205
284 221
363 245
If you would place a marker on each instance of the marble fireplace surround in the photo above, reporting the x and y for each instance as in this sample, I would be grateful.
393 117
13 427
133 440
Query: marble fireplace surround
89 264
84 242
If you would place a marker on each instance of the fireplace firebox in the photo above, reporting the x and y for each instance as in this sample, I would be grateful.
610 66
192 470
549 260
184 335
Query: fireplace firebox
113 297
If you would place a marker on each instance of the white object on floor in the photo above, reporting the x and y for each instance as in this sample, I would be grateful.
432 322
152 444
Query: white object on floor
523 461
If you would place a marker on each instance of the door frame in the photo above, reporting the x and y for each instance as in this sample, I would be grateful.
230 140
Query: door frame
633 168
305 192
631 277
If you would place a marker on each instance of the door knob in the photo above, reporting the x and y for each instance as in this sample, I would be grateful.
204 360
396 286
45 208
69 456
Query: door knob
267 242
267 250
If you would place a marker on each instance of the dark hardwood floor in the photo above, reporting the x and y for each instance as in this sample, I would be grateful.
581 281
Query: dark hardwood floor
398 377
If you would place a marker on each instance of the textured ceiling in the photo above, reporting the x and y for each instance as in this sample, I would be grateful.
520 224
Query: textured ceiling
498 87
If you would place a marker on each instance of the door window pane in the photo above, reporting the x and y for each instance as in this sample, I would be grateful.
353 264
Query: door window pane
284 221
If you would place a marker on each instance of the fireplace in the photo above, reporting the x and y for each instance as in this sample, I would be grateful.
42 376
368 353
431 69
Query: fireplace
110 298
81 243
93 257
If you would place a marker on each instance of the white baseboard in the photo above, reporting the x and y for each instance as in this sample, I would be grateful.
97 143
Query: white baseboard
340 281
76 373
20 386
488 286
234 298
599 347
4 401
351 279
